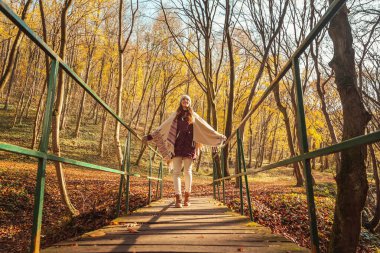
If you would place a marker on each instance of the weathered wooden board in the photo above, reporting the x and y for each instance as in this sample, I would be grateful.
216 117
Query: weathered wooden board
205 226
177 248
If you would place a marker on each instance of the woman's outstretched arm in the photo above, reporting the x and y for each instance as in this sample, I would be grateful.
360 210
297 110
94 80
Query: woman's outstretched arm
205 134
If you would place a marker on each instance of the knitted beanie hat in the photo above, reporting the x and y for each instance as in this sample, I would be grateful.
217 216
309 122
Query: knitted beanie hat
185 96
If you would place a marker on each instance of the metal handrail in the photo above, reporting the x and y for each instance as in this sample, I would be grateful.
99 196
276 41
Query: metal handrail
346 144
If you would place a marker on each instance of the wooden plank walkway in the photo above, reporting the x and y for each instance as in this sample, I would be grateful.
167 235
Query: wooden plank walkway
205 226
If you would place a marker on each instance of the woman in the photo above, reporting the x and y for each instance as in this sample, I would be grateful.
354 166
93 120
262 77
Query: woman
179 139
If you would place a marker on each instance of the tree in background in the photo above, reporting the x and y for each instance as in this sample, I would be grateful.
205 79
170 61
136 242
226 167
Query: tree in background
56 119
351 177
121 49
10 60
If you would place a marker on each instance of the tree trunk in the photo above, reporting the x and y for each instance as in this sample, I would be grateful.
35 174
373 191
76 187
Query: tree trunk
12 75
351 177
237 171
273 142
20 101
326 164
96 105
12 55
57 114
72 61
39 115
40 106
199 161
105 113
282 109
230 108
25 107
36 82
67 103
5 50
250 142
22 97
91 49
121 49
314 51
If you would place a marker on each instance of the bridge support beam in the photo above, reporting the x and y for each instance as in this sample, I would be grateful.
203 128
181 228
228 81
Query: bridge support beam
242 164
241 176
149 180
127 170
122 178
223 186
304 146
44 143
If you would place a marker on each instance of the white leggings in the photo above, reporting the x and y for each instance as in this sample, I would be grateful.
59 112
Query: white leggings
177 167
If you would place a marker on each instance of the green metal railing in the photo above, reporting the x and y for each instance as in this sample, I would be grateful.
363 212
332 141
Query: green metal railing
44 156
293 63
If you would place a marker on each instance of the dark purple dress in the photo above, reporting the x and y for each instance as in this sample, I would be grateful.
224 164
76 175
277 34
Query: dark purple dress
184 145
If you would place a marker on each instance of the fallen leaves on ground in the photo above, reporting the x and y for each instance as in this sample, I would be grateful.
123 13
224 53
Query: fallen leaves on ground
279 205
283 208
93 193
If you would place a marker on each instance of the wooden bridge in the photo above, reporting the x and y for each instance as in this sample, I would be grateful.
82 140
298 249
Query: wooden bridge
205 226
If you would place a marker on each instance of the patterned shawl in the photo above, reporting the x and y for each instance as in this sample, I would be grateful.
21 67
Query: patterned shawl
165 135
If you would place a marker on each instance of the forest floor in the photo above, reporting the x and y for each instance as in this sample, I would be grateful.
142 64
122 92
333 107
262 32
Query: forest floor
276 202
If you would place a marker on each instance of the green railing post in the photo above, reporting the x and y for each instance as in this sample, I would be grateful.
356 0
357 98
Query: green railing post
44 143
213 179
158 181
122 176
128 170
149 180
217 183
240 178
305 149
223 187
162 177
118 205
240 143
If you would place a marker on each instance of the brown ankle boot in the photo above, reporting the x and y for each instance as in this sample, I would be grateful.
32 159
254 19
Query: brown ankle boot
187 201
178 201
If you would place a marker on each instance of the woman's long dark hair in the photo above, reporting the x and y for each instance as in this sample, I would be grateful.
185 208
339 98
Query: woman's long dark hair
190 115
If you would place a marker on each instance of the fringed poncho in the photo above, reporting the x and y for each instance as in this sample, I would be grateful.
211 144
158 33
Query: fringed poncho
203 134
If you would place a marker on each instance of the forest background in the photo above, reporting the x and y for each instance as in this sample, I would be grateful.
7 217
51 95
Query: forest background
141 56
